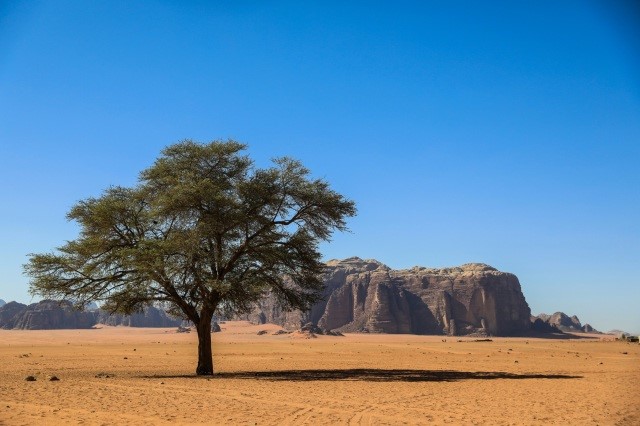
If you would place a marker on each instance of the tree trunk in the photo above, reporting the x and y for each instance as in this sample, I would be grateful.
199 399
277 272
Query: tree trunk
205 356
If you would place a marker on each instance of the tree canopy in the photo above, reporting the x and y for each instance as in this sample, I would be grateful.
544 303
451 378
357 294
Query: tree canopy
203 231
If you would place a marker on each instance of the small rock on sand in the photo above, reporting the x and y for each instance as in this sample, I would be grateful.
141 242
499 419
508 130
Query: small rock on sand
30 378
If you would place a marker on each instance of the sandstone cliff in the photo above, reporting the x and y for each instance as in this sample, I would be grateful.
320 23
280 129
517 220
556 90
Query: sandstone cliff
367 296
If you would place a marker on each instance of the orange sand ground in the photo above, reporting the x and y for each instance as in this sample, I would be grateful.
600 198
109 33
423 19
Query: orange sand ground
427 380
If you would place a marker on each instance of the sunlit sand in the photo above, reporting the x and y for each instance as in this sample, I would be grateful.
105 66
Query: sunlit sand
118 375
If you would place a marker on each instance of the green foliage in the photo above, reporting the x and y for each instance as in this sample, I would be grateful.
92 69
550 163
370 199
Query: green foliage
203 231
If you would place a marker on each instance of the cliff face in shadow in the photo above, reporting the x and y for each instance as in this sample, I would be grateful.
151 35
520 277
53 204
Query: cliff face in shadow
367 296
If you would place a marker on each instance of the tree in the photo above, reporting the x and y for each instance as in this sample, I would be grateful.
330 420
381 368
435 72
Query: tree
204 231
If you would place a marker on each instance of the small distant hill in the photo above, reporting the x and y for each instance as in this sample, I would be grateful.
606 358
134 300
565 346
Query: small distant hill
561 321
2 303
620 333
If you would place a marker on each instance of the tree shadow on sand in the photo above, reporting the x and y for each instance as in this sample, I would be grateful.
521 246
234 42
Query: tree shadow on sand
370 375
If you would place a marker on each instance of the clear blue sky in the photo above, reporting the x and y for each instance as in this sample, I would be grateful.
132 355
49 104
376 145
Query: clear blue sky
499 132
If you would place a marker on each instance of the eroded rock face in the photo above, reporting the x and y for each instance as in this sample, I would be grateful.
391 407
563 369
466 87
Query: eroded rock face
48 315
367 296
149 317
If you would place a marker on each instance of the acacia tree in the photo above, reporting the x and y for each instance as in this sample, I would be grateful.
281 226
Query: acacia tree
204 231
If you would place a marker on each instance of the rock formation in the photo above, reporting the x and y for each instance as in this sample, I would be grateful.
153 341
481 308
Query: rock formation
564 322
368 296
49 314
91 306
149 317
46 315
538 325
8 312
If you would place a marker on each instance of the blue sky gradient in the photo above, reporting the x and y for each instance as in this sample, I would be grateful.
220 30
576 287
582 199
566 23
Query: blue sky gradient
497 132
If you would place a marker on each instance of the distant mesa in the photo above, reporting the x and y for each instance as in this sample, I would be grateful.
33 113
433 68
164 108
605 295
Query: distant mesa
44 315
149 317
367 296
561 322
50 314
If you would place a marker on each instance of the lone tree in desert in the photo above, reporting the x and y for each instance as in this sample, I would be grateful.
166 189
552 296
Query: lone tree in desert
203 231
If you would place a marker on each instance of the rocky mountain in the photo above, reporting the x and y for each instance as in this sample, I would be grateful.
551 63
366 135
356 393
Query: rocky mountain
44 315
2 303
563 322
368 296
149 317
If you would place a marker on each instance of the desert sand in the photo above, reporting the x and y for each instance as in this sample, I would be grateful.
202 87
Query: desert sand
119 375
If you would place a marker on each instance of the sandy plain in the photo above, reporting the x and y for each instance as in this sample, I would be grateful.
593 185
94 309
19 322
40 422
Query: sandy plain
119 375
